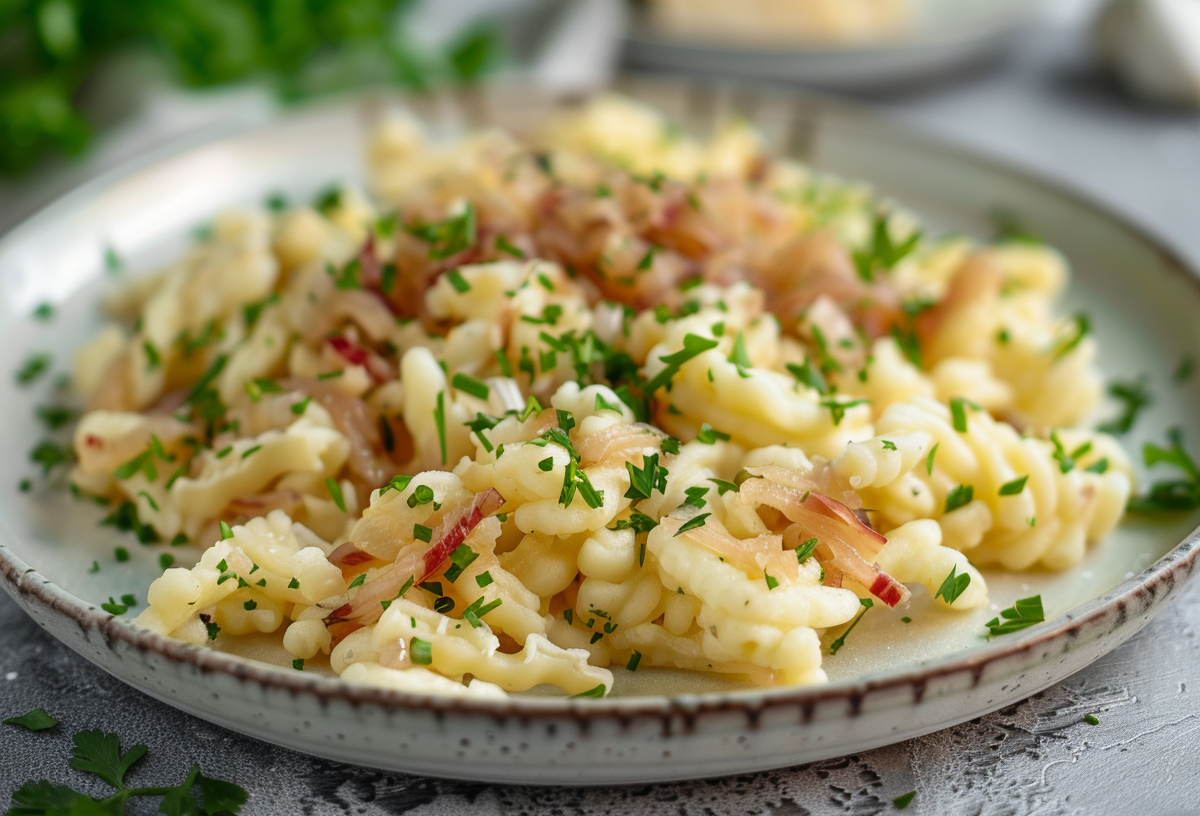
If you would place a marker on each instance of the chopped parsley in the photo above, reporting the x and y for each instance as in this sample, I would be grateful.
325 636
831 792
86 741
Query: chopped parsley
503 361
810 376
125 518
1066 460
645 480
450 236
462 557
805 550
958 412
473 613
1183 371
422 494
153 358
881 254
837 409
439 418
959 497
639 522
509 248
724 487
35 366
420 652
328 200
953 586
44 312
397 483
739 357
709 436
1014 487
693 345
1134 397
50 455
692 523
904 800
1021 615
595 692
482 422
470 385
262 385
1169 494
335 493
1080 327
866 603
54 416
1090 719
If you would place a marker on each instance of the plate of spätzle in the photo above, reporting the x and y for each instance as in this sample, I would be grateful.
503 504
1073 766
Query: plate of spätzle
664 434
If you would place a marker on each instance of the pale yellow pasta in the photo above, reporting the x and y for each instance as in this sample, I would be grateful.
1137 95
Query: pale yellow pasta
263 560
416 680
456 649
914 553
612 395
1050 519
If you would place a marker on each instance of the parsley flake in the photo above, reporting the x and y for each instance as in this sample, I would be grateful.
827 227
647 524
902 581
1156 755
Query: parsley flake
953 586
1021 615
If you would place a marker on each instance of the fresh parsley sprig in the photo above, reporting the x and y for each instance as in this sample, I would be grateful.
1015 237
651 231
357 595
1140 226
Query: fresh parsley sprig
99 754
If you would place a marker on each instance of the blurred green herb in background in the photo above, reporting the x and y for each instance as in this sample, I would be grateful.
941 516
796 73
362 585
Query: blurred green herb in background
51 49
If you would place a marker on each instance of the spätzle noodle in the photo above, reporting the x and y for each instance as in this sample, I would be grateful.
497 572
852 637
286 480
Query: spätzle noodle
610 398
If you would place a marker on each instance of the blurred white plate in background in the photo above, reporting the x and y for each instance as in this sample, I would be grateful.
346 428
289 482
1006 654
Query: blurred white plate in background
945 36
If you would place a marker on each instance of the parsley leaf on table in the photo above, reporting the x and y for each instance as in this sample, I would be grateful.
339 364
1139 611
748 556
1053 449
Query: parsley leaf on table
100 754
36 720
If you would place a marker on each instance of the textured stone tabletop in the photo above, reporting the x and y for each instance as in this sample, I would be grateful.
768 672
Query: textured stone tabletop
1042 109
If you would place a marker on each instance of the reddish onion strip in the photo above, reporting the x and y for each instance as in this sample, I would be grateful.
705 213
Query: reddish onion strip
348 555
843 538
764 552
417 561
453 533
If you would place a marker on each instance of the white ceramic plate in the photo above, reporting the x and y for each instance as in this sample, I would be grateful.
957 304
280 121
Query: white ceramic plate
890 682
945 36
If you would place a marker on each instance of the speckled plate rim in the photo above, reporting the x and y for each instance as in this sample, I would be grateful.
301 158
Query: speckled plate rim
1140 597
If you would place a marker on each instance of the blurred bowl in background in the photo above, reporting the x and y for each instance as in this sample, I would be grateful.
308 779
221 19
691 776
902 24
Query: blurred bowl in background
841 45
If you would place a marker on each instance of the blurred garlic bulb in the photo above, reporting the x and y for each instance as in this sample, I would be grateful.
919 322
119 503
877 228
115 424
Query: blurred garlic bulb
1153 47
